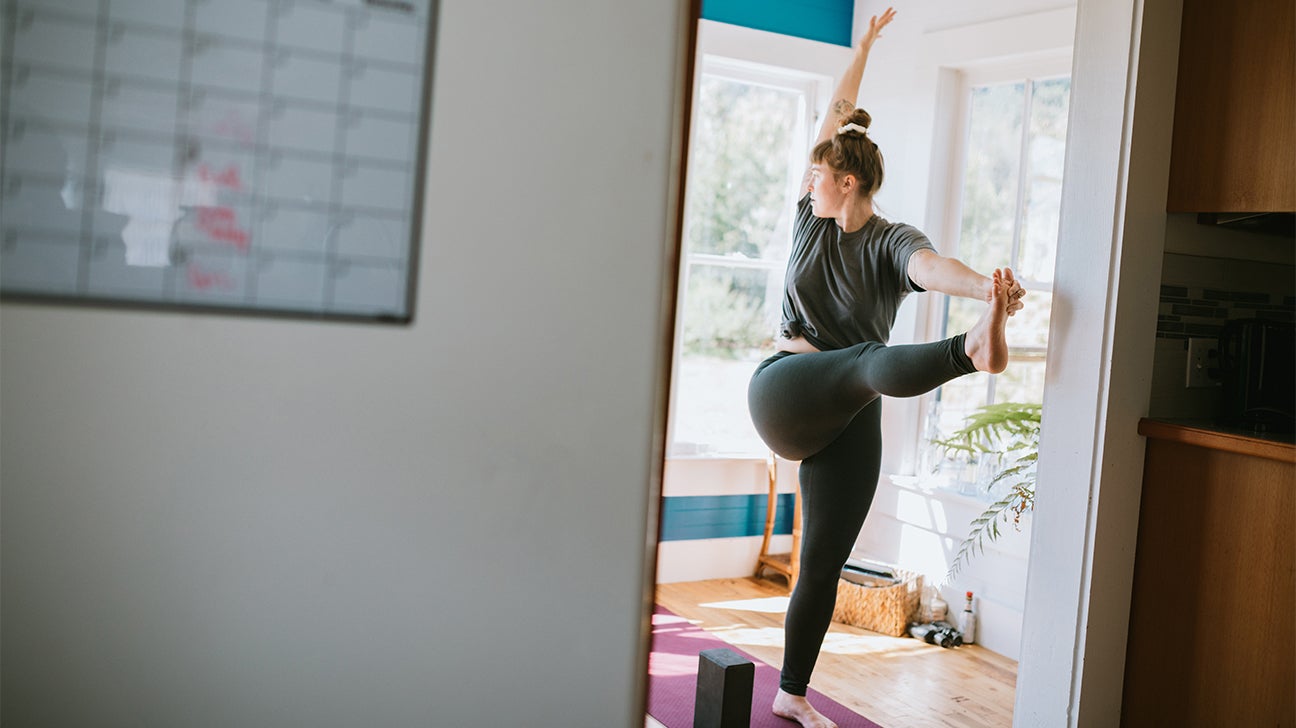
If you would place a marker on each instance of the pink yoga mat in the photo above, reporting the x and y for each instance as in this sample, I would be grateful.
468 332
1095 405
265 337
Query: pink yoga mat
672 679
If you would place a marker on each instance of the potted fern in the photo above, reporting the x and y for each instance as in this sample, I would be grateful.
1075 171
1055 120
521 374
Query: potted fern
1008 433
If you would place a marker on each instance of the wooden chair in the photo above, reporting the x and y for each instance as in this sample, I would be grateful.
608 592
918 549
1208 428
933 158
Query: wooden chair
787 564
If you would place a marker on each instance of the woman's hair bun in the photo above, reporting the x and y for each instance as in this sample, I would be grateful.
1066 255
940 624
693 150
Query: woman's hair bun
850 151
858 116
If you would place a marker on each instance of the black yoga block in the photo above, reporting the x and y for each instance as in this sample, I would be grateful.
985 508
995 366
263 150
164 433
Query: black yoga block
724 690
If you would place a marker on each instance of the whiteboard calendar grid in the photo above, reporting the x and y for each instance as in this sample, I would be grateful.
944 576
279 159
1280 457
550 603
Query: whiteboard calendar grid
252 156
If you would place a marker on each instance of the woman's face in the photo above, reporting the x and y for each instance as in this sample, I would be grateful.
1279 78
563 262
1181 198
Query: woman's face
827 196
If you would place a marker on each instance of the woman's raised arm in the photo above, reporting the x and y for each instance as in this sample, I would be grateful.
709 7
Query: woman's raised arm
847 93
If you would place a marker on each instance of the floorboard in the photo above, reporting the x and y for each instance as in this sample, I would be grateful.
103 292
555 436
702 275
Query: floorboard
897 682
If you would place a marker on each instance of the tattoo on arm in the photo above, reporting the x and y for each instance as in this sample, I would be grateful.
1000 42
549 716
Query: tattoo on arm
843 108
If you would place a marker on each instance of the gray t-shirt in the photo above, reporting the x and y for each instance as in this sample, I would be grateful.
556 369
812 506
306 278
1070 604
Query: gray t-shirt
845 288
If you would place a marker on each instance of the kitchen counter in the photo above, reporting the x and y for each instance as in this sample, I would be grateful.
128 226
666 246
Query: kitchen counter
1206 433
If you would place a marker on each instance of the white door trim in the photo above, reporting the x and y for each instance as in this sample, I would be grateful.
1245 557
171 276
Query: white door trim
1102 336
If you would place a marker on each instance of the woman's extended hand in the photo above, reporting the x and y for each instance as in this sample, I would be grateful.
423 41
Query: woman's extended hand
1015 292
876 24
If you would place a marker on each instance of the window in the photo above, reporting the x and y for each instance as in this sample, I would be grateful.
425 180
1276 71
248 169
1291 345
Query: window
1010 194
748 150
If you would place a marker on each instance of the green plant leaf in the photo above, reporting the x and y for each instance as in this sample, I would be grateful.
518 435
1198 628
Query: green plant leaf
1012 429
983 526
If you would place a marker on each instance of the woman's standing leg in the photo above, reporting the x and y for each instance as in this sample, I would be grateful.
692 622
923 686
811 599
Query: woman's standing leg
837 488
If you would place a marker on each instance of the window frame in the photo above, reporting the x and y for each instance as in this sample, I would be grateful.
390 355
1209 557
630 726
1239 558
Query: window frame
814 89
956 101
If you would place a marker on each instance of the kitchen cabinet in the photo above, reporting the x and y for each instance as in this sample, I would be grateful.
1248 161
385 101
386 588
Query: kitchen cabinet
1234 144
1212 636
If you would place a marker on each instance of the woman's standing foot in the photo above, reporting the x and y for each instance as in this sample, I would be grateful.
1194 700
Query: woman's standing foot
797 708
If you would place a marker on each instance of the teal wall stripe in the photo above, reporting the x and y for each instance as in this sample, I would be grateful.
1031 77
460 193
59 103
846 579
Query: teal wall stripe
828 21
691 517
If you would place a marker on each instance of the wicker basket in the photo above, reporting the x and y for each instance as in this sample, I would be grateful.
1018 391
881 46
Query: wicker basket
884 609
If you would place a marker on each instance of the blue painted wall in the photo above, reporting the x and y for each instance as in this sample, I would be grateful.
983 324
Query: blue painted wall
828 21
686 518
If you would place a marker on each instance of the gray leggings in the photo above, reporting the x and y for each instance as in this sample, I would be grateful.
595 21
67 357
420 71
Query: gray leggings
824 409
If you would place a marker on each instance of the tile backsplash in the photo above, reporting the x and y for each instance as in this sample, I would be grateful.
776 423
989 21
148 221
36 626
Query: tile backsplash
1198 296
1197 311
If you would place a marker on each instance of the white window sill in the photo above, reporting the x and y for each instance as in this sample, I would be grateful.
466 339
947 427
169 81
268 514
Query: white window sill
940 490
716 457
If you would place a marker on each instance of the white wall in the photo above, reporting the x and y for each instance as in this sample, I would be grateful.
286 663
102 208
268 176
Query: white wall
719 558
922 528
213 521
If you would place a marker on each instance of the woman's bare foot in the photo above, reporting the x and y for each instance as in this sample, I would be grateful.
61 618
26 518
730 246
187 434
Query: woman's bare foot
796 707
985 343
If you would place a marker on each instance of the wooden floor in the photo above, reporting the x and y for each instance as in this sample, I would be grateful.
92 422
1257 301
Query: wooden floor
898 682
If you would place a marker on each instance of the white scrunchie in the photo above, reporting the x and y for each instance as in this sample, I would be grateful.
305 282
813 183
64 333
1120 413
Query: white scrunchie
851 127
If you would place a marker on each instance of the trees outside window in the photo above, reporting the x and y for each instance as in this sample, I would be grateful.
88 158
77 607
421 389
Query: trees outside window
748 149
1010 196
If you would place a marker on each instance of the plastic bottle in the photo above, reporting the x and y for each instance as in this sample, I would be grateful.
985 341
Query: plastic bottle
939 609
924 603
967 622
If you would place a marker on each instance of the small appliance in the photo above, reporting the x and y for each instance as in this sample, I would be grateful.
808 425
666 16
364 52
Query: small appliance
1258 375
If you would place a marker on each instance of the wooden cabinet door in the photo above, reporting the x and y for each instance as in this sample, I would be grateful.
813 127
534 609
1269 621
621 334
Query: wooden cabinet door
1212 641
1234 145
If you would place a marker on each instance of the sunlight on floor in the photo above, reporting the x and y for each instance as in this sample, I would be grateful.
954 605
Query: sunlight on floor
768 605
668 665
872 644
661 620
836 643
744 636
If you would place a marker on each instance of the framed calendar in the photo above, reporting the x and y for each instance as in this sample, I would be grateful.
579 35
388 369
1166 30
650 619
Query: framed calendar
254 156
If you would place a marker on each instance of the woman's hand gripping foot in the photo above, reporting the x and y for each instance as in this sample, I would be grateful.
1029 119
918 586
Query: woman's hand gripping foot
986 344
